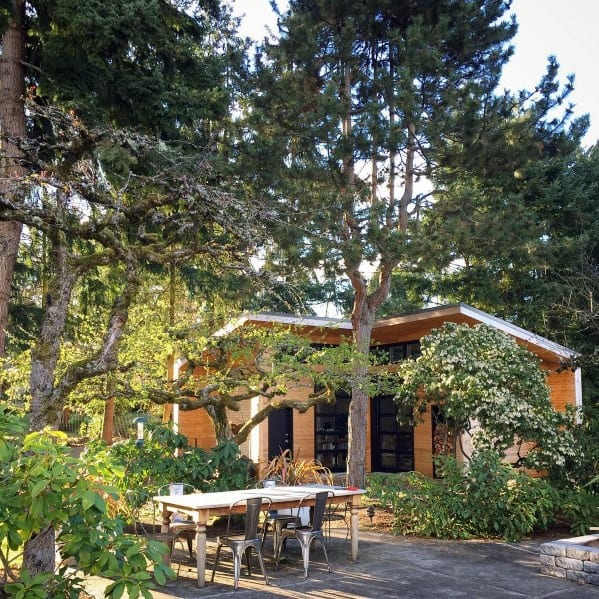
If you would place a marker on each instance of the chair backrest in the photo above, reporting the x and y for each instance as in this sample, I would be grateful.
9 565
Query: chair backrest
254 505
252 517
320 506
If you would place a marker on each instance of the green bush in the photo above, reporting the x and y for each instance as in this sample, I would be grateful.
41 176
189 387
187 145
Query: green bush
578 479
579 509
489 499
165 457
45 487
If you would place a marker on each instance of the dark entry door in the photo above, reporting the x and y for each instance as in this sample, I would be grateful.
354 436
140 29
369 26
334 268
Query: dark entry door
392 444
280 432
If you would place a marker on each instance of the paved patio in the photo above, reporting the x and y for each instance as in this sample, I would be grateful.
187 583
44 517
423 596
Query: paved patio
387 567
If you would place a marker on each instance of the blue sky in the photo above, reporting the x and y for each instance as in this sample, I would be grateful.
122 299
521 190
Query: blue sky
566 29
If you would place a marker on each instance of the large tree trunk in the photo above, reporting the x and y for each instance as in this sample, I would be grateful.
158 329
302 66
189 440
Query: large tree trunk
362 323
12 124
43 410
220 422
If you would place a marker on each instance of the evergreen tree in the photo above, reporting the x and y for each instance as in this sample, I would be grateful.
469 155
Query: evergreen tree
12 125
361 102
165 68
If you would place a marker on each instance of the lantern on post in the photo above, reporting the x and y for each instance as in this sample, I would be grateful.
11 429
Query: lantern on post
139 423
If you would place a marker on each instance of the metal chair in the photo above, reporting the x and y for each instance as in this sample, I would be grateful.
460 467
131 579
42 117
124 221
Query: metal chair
338 512
274 520
242 544
306 534
180 527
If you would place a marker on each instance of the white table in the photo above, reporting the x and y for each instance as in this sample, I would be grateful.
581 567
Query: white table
200 507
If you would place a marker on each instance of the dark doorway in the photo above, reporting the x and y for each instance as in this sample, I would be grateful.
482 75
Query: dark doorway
280 432
392 444
331 432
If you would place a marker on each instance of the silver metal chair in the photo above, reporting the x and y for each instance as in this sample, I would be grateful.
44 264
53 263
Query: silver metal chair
306 534
274 520
337 513
242 544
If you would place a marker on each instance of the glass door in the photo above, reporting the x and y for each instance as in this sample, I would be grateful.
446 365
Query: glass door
392 444
331 433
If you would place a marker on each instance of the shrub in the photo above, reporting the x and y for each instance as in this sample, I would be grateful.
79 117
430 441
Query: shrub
44 487
578 479
291 470
479 374
489 499
144 468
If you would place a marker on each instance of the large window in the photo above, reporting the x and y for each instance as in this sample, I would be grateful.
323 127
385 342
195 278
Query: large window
331 433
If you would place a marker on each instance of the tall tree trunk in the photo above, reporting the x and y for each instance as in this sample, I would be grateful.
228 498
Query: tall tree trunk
40 552
108 422
12 124
43 410
362 322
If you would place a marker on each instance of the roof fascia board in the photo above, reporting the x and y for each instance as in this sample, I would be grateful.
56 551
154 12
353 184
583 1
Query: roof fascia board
288 319
518 332
421 315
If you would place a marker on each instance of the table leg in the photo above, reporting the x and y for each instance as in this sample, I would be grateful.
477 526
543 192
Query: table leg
354 525
166 521
201 553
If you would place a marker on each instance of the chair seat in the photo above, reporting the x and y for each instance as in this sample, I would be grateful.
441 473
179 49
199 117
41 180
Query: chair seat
182 526
232 539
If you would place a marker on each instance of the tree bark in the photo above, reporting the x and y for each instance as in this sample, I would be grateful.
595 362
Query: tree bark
44 355
107 424
40 552
12 125
362 323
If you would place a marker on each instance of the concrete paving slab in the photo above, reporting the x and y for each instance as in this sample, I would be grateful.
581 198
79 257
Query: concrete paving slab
387 566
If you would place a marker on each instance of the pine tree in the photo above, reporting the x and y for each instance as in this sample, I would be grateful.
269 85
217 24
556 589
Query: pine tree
361 101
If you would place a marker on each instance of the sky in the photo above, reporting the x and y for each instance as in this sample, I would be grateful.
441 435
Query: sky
565 29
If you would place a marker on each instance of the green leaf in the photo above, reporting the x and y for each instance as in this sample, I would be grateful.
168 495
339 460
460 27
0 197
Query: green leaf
88 500
159 574
39 487
115 590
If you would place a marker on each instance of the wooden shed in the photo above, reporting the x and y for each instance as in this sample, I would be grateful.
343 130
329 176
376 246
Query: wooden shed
321 432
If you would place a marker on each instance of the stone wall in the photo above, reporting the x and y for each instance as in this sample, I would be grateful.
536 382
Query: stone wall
573 559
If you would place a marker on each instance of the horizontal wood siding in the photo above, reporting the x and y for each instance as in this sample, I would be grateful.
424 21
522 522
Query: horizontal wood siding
563 389
423 444
303 434
197 427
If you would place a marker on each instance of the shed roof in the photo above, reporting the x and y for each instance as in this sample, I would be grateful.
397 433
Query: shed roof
410 326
